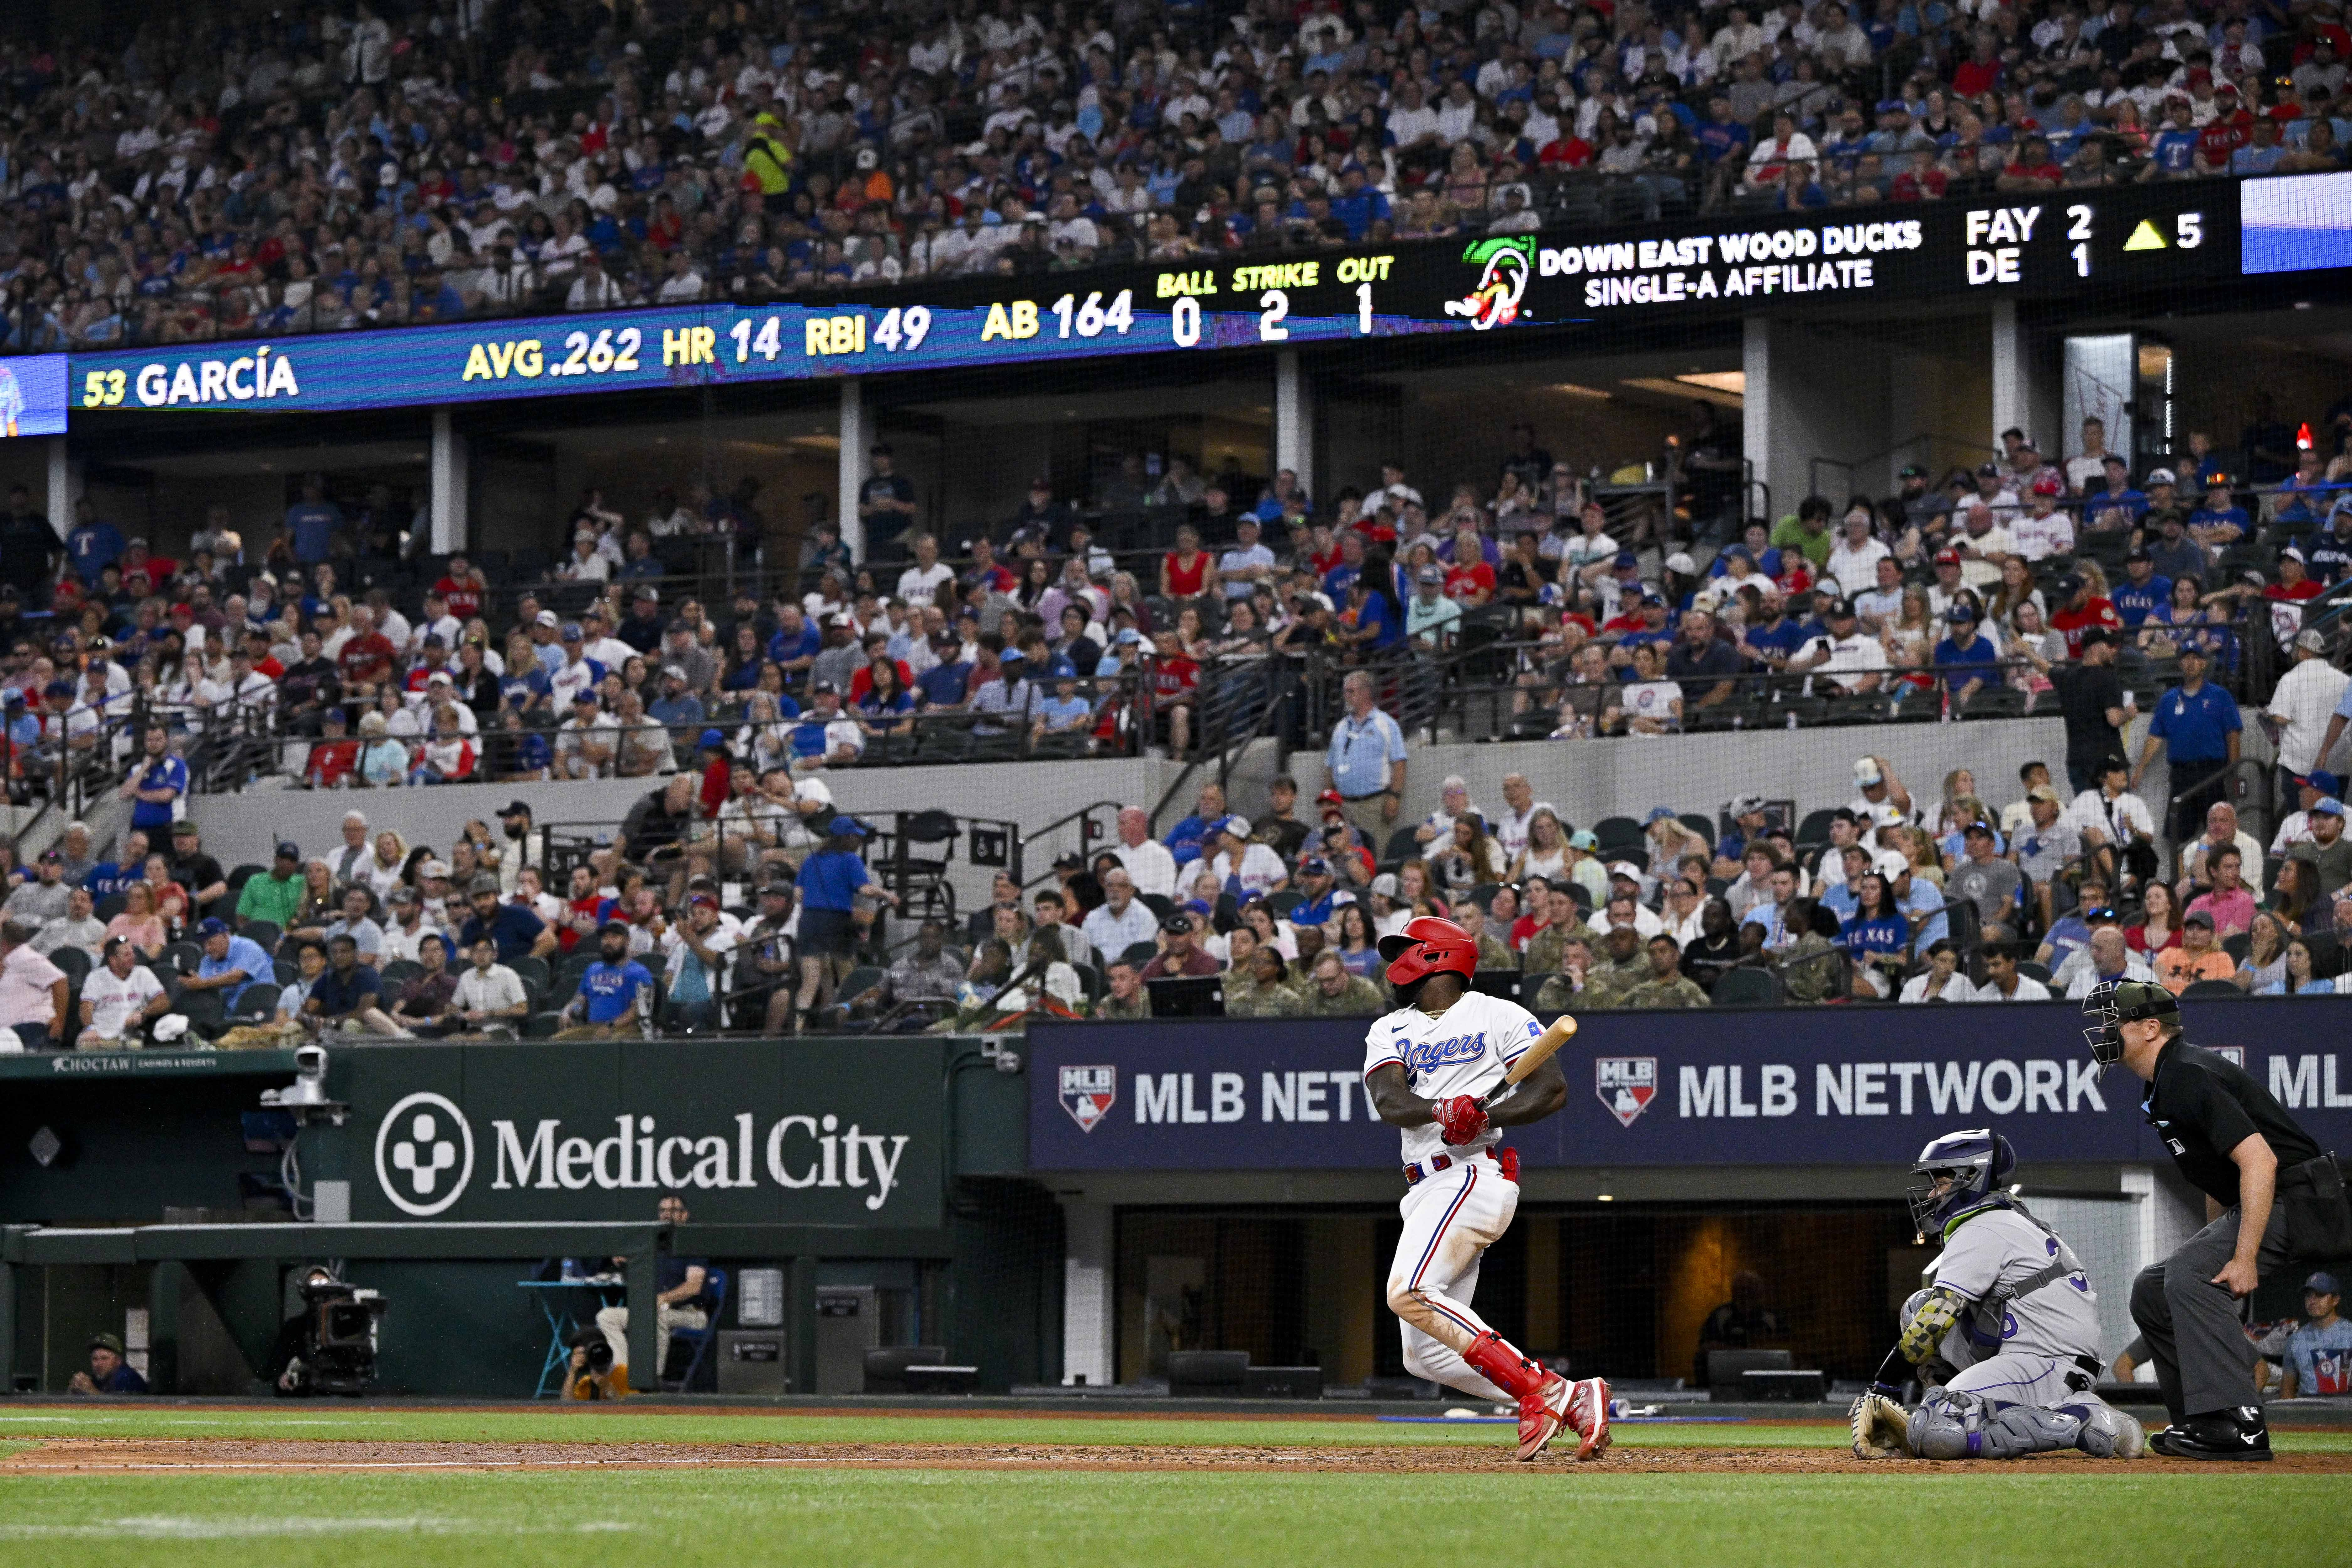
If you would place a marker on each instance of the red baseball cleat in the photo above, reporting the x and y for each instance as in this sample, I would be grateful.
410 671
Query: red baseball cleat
1542 1412
1587 1417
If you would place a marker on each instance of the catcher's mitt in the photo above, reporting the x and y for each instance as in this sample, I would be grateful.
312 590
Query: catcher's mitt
1880 1427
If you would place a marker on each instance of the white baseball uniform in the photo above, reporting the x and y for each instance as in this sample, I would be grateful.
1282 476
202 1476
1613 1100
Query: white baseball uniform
1452 1216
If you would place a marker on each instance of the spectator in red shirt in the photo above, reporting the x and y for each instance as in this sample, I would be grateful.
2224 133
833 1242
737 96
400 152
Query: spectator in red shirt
1469 578
333 755
365 663
2080 609
1981 72
462 587
264 661
2034 168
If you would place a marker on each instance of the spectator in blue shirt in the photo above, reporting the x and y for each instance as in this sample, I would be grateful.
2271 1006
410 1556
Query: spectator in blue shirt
1967 662
111 877
2221 520
832 883
230 963
2199 726
156 786
94 544
616 993
312 523
2142 592
1366 761
1875 934
676 707
1184 840
2115 495
519 932
1064 712
2319 1351
348 995
948 681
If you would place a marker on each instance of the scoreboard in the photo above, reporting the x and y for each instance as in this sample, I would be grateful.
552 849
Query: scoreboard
2133 243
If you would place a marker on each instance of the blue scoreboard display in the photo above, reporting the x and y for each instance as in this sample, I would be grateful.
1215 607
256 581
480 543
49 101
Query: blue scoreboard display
2049 245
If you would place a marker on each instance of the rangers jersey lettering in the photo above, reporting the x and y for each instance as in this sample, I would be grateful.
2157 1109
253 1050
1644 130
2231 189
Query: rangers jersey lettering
1464 1050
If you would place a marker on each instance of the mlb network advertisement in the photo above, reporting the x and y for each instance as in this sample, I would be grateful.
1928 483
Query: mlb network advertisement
2015 245
1843 1087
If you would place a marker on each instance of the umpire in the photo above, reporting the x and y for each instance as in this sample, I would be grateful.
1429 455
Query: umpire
2271 1195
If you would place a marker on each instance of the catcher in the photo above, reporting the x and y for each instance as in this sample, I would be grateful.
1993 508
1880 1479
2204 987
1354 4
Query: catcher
2005 1337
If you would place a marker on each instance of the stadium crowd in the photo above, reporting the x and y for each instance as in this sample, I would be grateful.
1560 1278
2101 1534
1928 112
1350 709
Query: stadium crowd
238 169
1990 595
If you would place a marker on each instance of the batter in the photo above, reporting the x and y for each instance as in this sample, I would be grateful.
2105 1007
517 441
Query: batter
1427 1065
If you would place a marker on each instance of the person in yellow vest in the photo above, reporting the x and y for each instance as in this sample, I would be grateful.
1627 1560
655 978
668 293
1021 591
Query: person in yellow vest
768 162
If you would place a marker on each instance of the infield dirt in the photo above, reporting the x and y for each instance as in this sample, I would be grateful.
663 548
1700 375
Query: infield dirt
311 1456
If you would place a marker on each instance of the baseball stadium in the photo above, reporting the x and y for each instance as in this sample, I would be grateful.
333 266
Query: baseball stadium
1013 782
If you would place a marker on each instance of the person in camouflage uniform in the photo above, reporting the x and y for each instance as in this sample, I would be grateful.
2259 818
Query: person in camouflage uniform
1259 991
1492 954
1333 993
1564 992
1617 968
1564 923
1808 976
1667 985
1125 1000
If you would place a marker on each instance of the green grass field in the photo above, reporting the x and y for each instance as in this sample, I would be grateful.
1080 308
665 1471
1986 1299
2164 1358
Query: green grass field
689 1517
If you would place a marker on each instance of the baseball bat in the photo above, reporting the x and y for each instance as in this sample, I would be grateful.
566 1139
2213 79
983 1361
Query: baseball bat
1546 1046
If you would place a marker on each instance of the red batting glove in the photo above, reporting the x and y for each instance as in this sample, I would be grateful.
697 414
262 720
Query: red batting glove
1461 1117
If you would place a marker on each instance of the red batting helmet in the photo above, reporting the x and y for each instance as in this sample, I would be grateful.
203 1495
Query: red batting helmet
1428 946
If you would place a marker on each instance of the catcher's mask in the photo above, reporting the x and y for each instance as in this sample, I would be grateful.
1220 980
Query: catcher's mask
1978 1162
2119 1003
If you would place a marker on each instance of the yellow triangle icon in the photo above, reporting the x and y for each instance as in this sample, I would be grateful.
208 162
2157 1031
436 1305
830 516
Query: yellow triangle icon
2145 237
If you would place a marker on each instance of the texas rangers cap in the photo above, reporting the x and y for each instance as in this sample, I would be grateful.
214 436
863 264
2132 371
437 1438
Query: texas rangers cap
212 927
1840 610
1238 825
2327 805
514 808
2048 484
546 618
2161 477
1658 813
2322 1284
289 850
1176 920
1314 866
2324 782
1745 804
570 630
1947 558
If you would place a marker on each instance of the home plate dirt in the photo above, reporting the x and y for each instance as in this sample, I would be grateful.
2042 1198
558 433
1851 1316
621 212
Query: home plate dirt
117 1455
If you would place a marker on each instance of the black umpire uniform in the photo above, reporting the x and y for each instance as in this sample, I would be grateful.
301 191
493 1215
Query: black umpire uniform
2204 1106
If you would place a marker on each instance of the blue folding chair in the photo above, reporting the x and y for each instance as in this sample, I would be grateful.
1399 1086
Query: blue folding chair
714 1285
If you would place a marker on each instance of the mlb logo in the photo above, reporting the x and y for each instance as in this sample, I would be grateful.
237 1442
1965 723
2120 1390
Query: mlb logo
1088 1093
1626 1085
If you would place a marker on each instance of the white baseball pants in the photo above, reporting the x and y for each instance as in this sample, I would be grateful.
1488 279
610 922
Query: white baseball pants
1450 1220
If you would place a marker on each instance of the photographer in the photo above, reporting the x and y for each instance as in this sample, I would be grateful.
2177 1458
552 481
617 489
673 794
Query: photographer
600 1357
329 1345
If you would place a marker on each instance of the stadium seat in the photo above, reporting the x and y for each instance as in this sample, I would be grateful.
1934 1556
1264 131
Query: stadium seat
263 934
532 970
109 906
1139 953
1700 824
1746 988
256 1003
714 1285
539 1025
